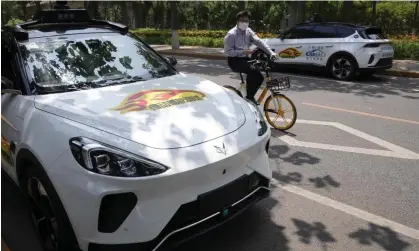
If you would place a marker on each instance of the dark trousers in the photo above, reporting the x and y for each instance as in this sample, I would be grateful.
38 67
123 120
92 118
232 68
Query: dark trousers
254 77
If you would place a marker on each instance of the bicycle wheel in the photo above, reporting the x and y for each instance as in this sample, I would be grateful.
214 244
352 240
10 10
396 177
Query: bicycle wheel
277 106
234 89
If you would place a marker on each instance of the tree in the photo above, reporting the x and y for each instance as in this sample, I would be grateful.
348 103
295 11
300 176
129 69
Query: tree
374 12
93 8
346 11
174 20
415 19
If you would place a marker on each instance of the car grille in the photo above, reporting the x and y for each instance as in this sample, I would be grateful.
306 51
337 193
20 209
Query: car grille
385 62
198 210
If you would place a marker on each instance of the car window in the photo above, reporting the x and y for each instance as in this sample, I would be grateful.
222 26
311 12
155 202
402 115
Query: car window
345 31
325 31
7 62
90 60
299 32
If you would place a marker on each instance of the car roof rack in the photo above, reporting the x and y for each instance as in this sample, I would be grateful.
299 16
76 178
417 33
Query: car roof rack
61 14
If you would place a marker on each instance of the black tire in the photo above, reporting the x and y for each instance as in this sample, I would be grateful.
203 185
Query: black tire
233 89
266 110
66 239
342 67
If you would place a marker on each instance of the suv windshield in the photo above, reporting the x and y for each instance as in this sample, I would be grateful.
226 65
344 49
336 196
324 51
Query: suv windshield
80 61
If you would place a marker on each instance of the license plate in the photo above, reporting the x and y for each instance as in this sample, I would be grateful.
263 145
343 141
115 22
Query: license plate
387 54
217 200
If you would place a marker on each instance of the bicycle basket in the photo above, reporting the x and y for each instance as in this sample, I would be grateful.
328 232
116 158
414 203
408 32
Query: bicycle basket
278 84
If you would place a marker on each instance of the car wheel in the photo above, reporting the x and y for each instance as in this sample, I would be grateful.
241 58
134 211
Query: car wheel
49 218
342 67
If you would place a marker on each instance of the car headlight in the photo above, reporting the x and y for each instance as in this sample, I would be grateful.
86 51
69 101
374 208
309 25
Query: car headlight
107 160
259 118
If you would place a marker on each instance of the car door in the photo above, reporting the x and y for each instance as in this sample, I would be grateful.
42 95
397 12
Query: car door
288 46
11 120
323 43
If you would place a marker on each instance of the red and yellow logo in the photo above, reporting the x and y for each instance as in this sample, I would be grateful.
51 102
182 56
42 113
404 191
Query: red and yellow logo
290 53
5 150
157 99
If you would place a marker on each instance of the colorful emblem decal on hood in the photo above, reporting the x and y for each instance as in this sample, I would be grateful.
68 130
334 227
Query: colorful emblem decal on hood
157 99
290 53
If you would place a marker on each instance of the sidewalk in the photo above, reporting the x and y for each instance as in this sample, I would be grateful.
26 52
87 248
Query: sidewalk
401 68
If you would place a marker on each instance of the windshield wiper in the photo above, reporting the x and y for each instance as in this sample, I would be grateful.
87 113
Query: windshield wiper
117 81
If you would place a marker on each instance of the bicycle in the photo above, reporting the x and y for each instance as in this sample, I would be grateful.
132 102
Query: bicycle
274 86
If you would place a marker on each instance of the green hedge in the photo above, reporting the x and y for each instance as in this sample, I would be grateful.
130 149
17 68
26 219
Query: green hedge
406 48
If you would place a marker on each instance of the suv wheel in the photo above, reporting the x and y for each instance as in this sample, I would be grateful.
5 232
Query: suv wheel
342 67
50 220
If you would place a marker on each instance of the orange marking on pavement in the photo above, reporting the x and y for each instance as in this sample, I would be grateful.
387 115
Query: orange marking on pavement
363 113
4 246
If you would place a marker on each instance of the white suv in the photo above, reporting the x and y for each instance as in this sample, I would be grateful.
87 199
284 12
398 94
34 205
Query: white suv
345 49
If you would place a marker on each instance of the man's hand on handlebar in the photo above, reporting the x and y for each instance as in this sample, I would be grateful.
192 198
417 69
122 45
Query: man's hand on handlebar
273 57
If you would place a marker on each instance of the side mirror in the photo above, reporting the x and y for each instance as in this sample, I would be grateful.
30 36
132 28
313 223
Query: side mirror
172 60
7 86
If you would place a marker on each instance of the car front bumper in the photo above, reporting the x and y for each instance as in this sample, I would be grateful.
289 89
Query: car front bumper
189 220
374 59
112 212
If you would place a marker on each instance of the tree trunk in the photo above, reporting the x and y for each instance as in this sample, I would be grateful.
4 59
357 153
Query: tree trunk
93 8
241 5
125 13
174 20
346 11
374 12
38 6
415 19
137 14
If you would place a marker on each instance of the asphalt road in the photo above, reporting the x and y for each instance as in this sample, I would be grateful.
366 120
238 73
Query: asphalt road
346 175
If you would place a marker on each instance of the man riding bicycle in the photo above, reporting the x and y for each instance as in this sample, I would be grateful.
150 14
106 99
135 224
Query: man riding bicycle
236 47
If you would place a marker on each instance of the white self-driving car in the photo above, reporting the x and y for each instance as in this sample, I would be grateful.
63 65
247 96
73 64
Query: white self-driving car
343 49
113 148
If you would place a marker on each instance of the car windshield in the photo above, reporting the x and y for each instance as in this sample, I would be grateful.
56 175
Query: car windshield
80 61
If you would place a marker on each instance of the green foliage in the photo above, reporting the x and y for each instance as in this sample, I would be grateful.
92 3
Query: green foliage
404 49
14 21
190 33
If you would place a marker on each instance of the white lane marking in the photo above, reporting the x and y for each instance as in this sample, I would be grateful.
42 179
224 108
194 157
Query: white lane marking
393 150
361 214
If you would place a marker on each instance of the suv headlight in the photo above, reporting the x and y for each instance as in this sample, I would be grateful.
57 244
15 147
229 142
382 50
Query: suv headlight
259 118
107 160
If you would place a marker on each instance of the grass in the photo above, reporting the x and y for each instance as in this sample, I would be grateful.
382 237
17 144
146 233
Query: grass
405 47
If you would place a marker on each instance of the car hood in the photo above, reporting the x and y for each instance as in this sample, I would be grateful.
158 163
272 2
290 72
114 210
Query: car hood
171 112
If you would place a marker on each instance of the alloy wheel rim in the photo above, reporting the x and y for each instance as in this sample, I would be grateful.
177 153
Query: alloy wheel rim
341 68
42 214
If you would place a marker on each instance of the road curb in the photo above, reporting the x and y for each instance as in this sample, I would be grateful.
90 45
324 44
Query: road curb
192 54
394 73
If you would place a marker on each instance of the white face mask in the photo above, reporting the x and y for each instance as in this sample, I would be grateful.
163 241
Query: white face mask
243 25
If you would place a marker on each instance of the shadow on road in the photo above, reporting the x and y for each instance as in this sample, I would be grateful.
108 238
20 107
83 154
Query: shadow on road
377 86
324 182
307 231
383 236
297 158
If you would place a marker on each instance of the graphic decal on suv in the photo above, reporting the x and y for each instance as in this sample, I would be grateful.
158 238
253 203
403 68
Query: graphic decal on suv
157 99
5 150
290 53
316 53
